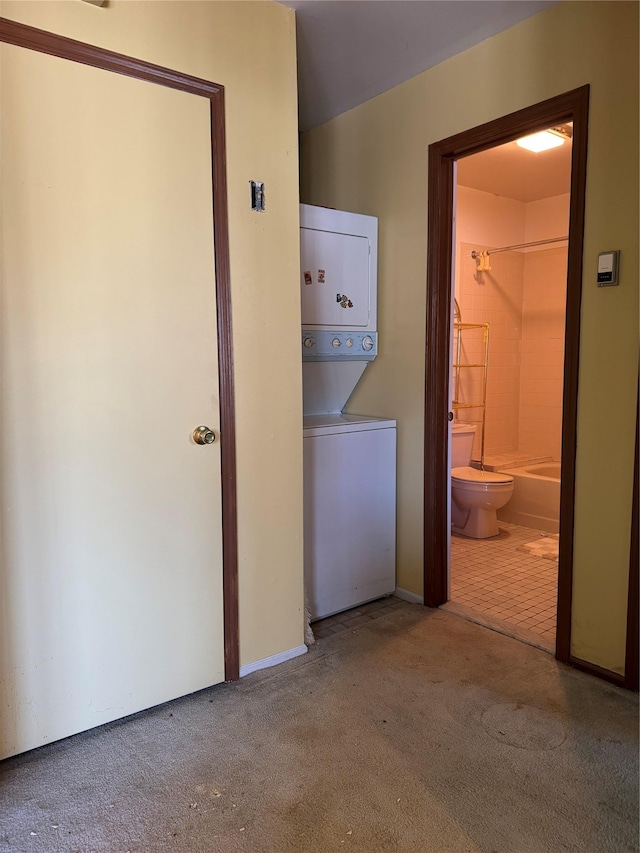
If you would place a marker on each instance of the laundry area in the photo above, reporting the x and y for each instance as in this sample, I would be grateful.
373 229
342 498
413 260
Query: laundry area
349 459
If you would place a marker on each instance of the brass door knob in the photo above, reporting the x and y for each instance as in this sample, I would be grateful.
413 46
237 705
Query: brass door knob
204 435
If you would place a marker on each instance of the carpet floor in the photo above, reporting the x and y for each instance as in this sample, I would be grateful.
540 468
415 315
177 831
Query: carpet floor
417 732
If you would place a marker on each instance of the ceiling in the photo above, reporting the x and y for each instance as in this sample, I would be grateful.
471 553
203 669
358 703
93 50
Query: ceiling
513 172
352 50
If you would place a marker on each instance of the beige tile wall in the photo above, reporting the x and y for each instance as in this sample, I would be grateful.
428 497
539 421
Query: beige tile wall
542 360
495 297
522 297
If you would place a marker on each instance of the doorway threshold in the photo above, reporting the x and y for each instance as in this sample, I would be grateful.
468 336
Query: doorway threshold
498 625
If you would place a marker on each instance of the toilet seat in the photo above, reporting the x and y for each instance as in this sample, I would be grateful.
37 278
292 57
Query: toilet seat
473 476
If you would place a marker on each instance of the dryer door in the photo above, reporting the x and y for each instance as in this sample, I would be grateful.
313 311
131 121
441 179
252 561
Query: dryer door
336 279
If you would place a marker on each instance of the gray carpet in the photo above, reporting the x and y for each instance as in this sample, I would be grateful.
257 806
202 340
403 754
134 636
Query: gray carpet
418 732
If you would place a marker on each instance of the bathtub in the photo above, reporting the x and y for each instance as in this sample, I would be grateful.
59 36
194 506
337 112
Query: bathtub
536 497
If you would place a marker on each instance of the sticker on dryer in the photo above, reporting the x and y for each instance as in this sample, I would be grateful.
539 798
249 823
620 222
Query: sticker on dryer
308 279
321 276
344 300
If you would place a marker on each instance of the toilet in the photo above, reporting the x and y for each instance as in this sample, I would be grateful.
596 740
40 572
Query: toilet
475 495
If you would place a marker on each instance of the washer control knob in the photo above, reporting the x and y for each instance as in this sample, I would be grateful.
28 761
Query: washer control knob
336 342
308 342
367 343
349 342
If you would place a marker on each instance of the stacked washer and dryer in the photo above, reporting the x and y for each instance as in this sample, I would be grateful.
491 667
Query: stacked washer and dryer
349 460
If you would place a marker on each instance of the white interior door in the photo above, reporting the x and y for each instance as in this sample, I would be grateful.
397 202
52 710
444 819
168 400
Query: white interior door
111 563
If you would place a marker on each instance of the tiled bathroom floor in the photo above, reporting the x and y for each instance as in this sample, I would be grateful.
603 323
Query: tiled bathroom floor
513 591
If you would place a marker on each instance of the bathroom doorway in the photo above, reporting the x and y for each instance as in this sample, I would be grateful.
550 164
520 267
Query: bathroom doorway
487 308
509 293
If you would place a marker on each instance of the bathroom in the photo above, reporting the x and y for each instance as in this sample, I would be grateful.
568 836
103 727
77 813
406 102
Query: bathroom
507 381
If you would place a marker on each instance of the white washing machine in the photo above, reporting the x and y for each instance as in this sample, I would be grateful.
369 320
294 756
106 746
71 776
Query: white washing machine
349 460
349 511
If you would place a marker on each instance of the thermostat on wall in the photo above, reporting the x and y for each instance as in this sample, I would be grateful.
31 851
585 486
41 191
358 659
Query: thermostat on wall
608 264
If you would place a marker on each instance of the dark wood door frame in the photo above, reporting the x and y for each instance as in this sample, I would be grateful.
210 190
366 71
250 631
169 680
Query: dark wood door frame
631 664
571 106
76 51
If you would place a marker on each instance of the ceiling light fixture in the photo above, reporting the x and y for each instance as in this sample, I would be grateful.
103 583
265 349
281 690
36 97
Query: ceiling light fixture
544 140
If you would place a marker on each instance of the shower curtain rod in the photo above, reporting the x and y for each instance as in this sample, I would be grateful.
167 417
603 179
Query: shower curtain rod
475 254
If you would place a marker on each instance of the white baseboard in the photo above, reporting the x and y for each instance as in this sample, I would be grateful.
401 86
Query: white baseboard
274 660
405 595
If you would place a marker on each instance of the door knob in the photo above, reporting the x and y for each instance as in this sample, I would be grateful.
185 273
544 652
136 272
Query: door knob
450 416
204 435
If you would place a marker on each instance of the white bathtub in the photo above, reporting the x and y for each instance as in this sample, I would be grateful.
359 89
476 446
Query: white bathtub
536 497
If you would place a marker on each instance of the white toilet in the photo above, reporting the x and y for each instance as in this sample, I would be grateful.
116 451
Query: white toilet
475 495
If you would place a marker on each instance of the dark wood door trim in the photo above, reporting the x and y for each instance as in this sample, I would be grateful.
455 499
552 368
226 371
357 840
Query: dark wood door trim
631 675
76 51
571 106
87 54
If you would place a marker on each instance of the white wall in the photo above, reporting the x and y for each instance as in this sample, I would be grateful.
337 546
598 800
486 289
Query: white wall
489 219
547 218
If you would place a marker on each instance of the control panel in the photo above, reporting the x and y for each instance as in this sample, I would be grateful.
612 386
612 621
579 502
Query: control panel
608 264
339 345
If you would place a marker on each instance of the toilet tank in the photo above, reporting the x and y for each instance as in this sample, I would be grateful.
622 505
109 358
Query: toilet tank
462 436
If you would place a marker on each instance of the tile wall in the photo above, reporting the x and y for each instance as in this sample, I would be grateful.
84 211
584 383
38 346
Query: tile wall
494 296
522 297
542 358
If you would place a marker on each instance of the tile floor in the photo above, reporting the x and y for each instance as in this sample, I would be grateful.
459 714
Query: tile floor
495 583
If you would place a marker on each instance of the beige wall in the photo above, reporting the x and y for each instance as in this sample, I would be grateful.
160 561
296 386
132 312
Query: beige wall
217 41
373 160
